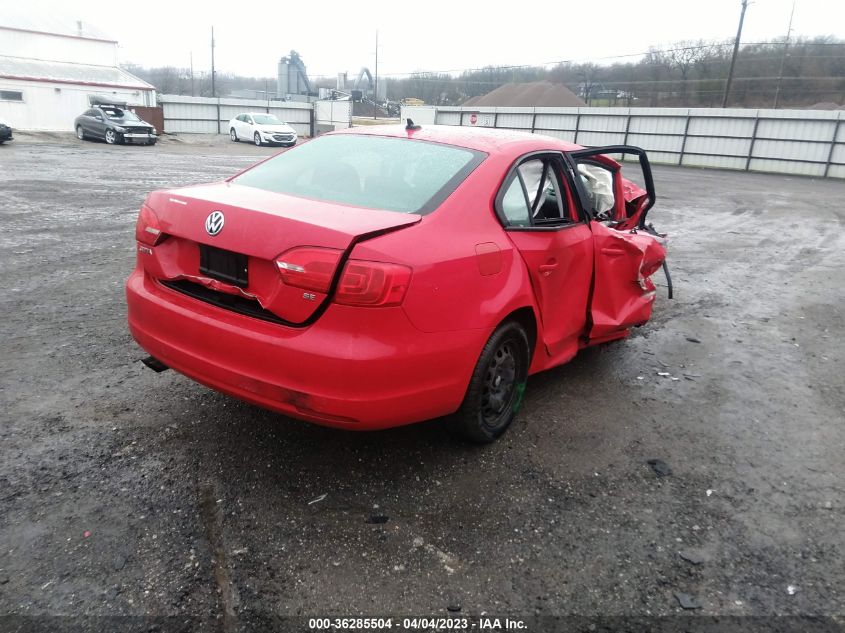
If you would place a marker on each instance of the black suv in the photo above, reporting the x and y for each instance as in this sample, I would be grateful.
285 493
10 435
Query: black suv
114 124
5 132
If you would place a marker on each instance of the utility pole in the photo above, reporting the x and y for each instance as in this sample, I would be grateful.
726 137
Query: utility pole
783 57
733 57
213 89
375 83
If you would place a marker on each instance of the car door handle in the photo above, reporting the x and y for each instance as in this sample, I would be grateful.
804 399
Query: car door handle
546 269
612 251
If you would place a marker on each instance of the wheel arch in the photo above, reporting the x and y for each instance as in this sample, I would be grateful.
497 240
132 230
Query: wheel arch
527 318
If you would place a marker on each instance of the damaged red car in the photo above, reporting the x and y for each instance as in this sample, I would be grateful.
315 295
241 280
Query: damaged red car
386 275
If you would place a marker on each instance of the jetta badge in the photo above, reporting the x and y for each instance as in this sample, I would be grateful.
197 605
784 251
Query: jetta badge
214 223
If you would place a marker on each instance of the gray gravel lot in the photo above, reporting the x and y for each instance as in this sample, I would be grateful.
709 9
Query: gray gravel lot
125 492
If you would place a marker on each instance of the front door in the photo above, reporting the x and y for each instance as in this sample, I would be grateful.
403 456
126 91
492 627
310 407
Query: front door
248 130
93 124
537 208
626 251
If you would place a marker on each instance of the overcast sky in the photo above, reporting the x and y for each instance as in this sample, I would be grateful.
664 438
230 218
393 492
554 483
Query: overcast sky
340 36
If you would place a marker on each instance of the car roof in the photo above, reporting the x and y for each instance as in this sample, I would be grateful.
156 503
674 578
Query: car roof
488 140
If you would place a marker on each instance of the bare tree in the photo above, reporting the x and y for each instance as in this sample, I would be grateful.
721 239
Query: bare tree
683 56
657 64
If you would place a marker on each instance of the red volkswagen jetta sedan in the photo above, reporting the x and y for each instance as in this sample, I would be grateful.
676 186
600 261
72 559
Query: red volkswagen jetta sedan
385 275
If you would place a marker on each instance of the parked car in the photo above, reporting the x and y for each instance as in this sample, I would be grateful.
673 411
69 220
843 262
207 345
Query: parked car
385 275
114 124
260 128
5 131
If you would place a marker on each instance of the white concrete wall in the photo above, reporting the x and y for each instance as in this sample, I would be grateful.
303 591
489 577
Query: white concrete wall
57 48
54 106
805 142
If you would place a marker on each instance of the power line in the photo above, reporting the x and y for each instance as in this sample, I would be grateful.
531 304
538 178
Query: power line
624 82
588 59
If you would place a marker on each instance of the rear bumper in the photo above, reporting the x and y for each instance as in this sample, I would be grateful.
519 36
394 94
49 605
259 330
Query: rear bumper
355 368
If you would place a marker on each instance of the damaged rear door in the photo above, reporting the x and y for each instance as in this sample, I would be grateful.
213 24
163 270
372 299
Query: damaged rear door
626 251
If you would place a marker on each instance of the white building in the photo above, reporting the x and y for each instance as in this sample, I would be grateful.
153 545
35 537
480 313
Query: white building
50 66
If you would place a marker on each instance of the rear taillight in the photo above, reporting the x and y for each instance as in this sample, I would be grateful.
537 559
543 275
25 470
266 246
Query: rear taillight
362 283
372 284
147 229
309 268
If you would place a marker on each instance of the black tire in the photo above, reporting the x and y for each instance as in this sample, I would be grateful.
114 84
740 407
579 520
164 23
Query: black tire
233 135
496 388
257 139
111 137
80 133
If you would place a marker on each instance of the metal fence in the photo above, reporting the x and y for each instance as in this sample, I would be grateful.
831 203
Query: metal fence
804 142
206 115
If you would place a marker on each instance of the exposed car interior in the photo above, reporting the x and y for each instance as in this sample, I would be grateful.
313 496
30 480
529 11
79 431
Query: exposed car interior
598 185
117 113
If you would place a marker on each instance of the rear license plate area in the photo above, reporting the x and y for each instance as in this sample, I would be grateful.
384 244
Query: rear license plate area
224 265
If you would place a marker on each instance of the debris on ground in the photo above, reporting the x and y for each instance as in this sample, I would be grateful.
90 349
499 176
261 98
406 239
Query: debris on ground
378 519
686 600
454 608
791 590
318 499
692 339
692 556
660 468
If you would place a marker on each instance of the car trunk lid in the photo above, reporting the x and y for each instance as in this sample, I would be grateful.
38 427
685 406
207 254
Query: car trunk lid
242 257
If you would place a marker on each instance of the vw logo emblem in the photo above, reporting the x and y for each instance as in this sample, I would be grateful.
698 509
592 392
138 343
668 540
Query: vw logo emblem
214 223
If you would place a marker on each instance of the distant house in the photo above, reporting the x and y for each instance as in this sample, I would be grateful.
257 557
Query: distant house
49 67
533 94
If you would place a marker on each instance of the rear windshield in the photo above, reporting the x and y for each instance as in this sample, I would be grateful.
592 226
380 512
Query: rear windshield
393 174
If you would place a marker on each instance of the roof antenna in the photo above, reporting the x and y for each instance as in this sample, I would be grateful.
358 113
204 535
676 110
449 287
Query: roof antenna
411 126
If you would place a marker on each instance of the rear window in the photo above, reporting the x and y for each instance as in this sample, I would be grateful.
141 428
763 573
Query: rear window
392 174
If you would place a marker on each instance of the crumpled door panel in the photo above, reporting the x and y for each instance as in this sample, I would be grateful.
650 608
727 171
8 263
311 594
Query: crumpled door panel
623 293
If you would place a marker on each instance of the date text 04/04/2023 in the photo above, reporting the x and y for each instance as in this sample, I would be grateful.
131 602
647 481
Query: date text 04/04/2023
481 623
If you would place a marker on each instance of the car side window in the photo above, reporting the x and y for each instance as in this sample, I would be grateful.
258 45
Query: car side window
535 195
515 204
248 119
